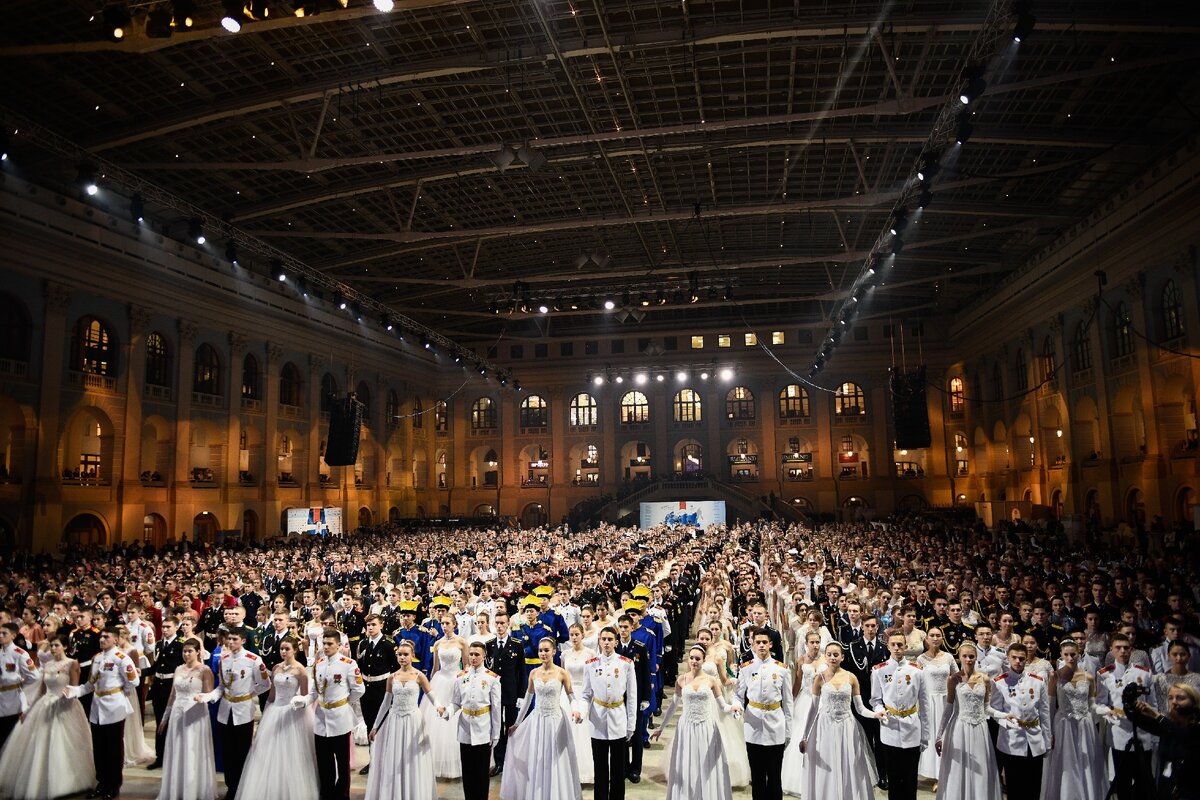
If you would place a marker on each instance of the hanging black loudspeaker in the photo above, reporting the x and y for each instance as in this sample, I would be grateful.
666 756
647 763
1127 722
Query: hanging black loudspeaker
910 410
345 422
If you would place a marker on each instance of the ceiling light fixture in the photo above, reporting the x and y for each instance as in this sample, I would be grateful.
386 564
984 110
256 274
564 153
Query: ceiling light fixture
116 21
899 222
231 253
137 208
384 5
86 179
1025 20
234 15
196 230
975 85
183 13
965 129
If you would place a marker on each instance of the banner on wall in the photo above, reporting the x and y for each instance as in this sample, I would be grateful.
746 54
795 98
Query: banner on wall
700 513
316 521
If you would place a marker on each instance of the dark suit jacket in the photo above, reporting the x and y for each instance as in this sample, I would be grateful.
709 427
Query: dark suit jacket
637 652
509 663
862 658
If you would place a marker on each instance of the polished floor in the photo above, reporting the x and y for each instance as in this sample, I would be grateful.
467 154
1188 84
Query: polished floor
140 783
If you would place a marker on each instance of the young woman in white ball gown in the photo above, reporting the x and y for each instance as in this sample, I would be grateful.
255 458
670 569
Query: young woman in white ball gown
1075 765
540 763
137 752
733 733
810 664
443 733
282 763
968 761
936 665
574 659
49 753
189 771
839 764
696 767
402 767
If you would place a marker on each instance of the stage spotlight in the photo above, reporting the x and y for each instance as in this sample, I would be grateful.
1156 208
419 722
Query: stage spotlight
516 386
543 309
196 230
620 379
681 376
660 297
87 180
278 270
116 21
231 253
598 380
386 322
726 374
609 305
428 345
660 377
234 15
897 246
482 370
645 299
704 376
339 301
137 208
965 129
356 311
1025 21
925 198
183 13
640 378
929 166
384 5
5 144
899 222
975 85
728 294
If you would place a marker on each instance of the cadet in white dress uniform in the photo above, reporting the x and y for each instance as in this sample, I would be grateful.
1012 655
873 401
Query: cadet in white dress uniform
1022 706
610 697
899 701
764 689
17 672
338 686
243 677
112 673
1111 681
477 695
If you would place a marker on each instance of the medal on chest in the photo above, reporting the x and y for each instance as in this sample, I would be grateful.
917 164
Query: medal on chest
908 678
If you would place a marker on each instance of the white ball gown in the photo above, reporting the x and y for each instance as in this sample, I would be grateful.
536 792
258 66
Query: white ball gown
49 753
968 762
137 752
839 765
282 763
443 733
581 735
937 672
188 771
696 766
733 736
540 763
792 777
1075 767
402 761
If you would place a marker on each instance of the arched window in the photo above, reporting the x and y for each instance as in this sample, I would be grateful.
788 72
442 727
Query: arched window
1122 332
1049 359
793 402
997 383
94 348
956 396
583 411
533 412
15 329
849 401
739 404
635 409
158 360
687 406
691 458
441 417
1083 348
1172 312
1022 370
206 377
329 393
483 414
250 378
391 410
290 390
418 417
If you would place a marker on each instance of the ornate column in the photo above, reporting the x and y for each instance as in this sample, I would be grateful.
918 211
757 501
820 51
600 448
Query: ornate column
46 517
233 428
312 453
183 405
1135 287
270 476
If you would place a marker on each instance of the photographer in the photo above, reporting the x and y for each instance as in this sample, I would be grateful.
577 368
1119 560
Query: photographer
1178 734
1131 746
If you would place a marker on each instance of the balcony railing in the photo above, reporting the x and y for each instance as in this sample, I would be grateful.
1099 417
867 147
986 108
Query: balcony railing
152 392
90 380
14 369
251 404
208 400
285 410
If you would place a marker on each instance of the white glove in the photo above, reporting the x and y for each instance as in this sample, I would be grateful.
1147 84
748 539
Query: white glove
643 705
360 735
299 702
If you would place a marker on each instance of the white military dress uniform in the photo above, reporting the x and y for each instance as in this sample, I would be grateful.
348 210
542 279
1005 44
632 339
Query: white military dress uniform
610 695
112 672
338 686
991 662
477 694
898 687
1110 683
764 688
243 677
18 671
1029 702
141 638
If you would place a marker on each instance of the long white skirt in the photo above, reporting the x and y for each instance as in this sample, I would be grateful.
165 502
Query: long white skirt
188 771
540 762
137 752
968 763
282 763
402 760
696 766
443 733
49 753
1075 767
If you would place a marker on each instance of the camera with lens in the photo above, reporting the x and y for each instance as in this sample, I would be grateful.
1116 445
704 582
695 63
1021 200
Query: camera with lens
1131 694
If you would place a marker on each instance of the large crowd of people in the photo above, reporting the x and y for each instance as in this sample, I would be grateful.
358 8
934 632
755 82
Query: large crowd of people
820 662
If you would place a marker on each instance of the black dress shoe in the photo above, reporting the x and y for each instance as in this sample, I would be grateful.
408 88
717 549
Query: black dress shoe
883 784
496 770
365 770
154 765
635 778
93 794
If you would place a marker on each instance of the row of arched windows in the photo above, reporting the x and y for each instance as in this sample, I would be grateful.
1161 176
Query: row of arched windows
686 407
